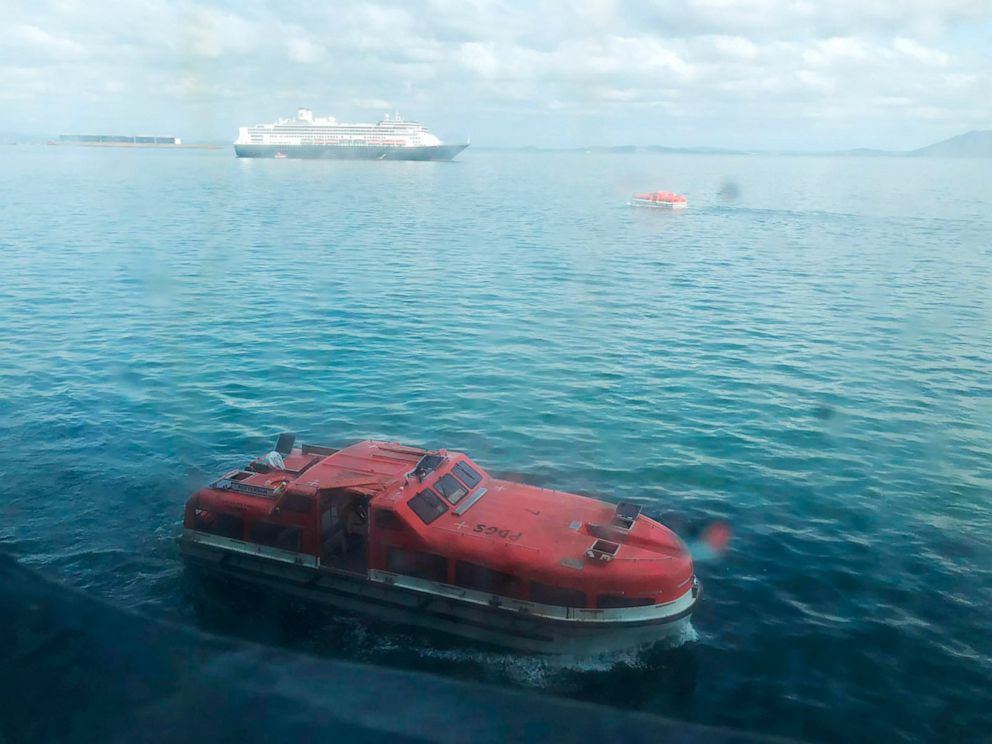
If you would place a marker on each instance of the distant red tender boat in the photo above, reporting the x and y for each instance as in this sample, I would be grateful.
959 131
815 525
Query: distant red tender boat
429 539
660 199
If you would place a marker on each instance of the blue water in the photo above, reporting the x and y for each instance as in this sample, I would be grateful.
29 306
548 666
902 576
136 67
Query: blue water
809 360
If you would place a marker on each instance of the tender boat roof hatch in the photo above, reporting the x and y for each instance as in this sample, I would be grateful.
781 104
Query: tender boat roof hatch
626 515
285 442
427 465
603 550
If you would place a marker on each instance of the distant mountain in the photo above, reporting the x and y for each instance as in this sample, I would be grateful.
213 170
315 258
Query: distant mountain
974 144
663 149
865 152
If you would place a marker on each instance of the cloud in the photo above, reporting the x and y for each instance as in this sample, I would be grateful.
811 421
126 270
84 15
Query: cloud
305 51
755 74
482 59
213 32
27 43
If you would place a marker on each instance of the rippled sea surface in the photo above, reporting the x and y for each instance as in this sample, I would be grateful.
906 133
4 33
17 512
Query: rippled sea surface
809 359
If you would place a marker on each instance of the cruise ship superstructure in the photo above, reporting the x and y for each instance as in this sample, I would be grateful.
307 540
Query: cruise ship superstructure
311 137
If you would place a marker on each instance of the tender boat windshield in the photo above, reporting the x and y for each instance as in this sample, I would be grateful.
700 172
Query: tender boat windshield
427 506
467 476
450 488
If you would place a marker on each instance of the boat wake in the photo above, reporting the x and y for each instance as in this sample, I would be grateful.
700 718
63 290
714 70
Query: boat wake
539 671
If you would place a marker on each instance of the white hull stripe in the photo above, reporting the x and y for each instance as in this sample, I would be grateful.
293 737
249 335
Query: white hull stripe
575 614
240 546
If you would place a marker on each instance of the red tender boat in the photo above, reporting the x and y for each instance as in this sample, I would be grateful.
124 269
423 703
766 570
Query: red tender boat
430 539
659 199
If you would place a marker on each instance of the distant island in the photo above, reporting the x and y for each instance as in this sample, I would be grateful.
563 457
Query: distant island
974 144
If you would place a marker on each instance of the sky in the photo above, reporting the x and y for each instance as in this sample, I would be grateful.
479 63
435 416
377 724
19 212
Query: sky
747 74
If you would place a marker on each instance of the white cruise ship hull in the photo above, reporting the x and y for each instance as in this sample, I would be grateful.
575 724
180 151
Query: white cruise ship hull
348 152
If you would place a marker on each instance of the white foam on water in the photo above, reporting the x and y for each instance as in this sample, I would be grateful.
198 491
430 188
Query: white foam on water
541 670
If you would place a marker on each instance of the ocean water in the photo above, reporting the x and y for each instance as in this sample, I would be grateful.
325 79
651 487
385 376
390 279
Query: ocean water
805 353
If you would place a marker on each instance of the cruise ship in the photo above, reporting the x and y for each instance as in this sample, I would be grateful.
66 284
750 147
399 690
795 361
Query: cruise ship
311 137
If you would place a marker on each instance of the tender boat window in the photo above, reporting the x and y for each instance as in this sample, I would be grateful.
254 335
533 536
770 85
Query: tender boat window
450 488
468 476
427 506
386 519
284 537
416 564
611 601
556 595
480 578
219 523
297 502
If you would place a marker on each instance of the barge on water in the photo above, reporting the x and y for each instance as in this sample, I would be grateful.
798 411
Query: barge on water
430 539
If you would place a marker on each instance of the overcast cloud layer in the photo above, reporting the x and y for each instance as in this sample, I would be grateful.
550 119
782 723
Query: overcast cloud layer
731 73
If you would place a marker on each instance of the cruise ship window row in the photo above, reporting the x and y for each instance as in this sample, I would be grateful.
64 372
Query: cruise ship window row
339 130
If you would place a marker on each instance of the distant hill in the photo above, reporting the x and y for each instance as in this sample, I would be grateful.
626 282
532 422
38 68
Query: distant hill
865 152
662 149
974 144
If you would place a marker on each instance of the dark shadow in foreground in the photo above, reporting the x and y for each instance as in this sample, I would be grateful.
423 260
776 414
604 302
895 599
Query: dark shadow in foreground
73 669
